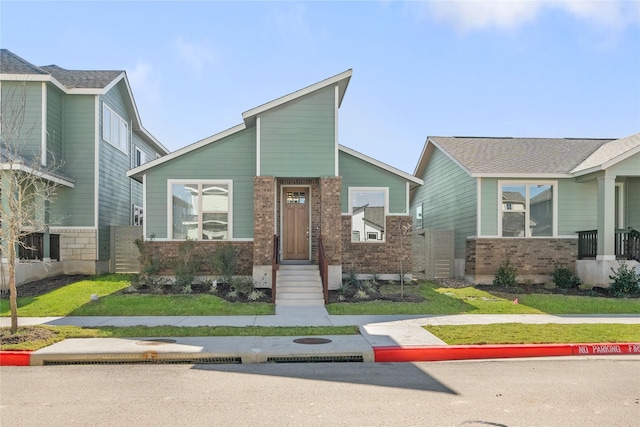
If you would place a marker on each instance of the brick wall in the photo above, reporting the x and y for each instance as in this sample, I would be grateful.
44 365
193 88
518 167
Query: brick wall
331 219
168 252
378 258
263 219
531 257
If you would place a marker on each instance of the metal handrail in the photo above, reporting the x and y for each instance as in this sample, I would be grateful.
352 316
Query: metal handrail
274 267
324 269
626 244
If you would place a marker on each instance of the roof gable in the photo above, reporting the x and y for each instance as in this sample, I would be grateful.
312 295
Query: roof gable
609 154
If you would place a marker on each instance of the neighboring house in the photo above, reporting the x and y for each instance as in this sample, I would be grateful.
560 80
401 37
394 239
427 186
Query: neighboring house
538 201
281 173
84 127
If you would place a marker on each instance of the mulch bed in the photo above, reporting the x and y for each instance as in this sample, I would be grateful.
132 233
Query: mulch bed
43 286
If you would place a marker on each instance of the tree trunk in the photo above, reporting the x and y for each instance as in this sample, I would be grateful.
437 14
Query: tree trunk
13 292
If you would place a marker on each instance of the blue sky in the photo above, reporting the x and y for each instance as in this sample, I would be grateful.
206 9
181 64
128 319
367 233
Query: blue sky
522 69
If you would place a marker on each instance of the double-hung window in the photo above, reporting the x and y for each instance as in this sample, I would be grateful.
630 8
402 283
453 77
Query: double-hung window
528 209
368 207
114 128
141 157
201 210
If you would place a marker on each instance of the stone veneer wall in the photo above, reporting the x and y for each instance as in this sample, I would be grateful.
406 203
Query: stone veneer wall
533 258
331 219
167 252
378 258
77 244
263 219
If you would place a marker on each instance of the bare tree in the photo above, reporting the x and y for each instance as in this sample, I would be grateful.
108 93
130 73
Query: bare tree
26 185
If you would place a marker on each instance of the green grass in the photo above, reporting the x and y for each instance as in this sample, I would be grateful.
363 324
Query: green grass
517 333
470 300
64 332
75 300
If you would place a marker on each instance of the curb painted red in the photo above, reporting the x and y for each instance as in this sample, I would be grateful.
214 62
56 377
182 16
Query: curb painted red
15 358
464 352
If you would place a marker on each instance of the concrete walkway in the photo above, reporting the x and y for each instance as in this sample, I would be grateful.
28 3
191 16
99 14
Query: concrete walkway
386 331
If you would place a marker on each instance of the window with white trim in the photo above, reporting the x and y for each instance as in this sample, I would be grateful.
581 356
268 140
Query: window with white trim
368 208
200 210
527 209
140 157
114 128
138 215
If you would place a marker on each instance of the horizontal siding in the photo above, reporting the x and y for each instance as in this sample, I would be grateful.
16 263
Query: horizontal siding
577 206
358 173
55 134
74 207
489 207
22 116
630 166
633 203
298 139
448 199
233 157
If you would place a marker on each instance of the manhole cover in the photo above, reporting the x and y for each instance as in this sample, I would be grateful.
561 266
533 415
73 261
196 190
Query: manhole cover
312 341
159 341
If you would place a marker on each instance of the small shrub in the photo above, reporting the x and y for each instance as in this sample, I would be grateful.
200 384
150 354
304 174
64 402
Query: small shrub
344 290
506 274
361 294
186 265
255 295
549 286
186 290
625 281
564 278
585 287
224 262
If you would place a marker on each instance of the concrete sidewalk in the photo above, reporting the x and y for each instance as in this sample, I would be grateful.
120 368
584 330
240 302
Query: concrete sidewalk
377 332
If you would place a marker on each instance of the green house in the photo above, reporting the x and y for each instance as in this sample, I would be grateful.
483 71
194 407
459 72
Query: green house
281 189
536 201
83 129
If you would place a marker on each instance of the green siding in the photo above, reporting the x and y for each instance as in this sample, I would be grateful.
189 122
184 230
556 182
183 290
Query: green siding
55 124
298 139
74 207
577 206
22 116
233 157
633 203
358 173
489 207
630 166
448 199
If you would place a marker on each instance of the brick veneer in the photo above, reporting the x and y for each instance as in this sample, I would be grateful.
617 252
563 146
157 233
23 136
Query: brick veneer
530 257
263 219
378 258
331 219
167 252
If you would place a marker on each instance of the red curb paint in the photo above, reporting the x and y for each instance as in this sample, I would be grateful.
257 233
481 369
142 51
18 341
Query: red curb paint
15 358
464 352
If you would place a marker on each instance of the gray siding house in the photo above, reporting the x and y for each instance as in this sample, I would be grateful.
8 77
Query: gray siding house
83 125
281 180
538 201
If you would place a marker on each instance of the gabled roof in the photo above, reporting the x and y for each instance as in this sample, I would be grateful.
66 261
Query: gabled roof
513 157
87 82
609 154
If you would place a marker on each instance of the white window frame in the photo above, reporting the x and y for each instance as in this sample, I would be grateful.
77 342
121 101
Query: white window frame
384 190
138 212
118 129
200 183
527 208
142 155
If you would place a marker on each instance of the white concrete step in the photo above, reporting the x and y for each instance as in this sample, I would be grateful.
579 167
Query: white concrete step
299 285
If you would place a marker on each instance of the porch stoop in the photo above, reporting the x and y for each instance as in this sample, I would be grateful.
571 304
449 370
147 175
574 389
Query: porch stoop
299 285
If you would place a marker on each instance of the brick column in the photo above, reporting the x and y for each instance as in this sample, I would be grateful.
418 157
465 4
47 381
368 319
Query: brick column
331 218
263 219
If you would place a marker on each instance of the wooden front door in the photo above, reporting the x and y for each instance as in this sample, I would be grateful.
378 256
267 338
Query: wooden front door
295 223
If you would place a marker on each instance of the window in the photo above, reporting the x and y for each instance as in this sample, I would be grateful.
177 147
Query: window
141 157
138 217
200 210
369 208
114 129
527 209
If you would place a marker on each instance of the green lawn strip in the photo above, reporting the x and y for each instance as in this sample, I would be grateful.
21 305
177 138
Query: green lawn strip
517 333
64 332
75 300
570 304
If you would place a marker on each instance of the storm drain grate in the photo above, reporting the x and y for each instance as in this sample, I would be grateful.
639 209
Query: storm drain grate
186 361
316 359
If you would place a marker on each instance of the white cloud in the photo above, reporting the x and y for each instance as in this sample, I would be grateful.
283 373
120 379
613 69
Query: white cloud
472 15
195 57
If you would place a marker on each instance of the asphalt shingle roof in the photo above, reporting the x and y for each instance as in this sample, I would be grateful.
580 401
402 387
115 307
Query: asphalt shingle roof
519 155
10 63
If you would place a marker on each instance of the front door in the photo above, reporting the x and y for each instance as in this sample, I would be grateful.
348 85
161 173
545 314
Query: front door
295 223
